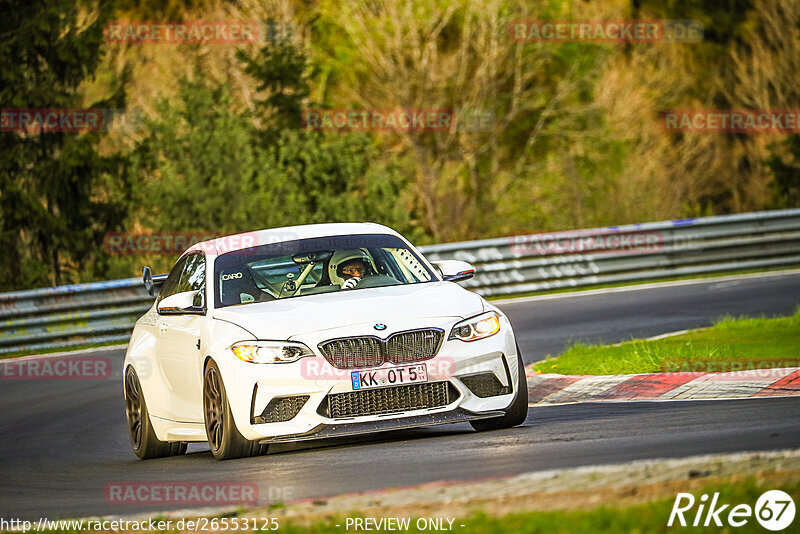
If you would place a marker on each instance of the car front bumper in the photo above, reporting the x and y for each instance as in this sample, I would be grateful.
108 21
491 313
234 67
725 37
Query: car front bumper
253 386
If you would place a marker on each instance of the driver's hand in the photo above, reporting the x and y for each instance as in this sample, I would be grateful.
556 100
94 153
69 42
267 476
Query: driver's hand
350 283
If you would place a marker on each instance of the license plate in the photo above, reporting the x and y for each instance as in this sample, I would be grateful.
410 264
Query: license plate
389 377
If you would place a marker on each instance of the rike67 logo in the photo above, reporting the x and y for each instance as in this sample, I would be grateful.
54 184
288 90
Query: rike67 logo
774 511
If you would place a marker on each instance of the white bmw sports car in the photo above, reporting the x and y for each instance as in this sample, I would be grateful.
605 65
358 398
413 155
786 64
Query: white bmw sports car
311 332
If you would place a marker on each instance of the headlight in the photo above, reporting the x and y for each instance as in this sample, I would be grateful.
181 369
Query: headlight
270 351
479 327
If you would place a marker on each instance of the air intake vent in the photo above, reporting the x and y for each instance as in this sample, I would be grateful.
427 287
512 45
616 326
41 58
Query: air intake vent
388 400
281 409
484 385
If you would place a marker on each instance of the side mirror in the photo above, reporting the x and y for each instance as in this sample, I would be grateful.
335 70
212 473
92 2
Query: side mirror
181 304
454 270
147 278
151 283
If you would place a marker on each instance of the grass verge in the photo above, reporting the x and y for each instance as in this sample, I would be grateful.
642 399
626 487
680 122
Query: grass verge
651 517
730 345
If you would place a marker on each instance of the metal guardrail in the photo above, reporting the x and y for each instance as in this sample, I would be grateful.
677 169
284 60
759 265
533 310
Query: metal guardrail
66 316
526 264
100 312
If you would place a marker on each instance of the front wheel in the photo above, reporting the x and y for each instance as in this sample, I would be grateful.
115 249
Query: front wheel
517 412
224 438
143 437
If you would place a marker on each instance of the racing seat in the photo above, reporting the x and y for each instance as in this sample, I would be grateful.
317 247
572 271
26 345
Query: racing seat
239 287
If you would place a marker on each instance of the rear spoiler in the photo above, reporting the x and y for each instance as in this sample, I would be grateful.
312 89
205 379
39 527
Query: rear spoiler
152 282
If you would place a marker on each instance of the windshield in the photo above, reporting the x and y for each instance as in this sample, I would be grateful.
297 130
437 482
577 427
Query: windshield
311 266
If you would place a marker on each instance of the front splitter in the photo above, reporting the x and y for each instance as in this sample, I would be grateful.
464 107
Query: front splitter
324 431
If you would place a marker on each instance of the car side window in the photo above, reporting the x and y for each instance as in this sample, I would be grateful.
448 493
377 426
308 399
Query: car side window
193 277
170 286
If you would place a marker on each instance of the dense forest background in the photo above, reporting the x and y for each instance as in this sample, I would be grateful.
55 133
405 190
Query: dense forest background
211 138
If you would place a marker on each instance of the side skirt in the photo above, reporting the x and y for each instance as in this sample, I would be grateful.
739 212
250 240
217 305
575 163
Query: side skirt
167 430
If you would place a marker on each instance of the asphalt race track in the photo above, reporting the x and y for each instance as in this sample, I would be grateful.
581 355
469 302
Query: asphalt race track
546 326
63 441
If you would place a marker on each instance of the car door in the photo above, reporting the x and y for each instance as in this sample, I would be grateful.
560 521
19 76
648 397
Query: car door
179 349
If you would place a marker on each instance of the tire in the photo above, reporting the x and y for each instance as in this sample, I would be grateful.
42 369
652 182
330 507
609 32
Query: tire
516 413
224 438
143 437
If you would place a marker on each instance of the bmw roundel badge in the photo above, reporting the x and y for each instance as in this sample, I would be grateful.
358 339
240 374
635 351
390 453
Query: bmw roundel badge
379 326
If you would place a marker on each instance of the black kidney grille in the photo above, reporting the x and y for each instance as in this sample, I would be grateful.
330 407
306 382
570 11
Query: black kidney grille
390 400
353 352
415 346
369 351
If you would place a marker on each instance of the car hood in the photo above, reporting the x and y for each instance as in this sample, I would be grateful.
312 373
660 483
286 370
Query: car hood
287 318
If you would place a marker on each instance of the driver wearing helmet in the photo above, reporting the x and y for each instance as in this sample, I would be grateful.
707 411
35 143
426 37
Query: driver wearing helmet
348 267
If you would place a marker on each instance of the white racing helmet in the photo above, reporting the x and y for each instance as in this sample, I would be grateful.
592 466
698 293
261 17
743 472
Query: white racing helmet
341 257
